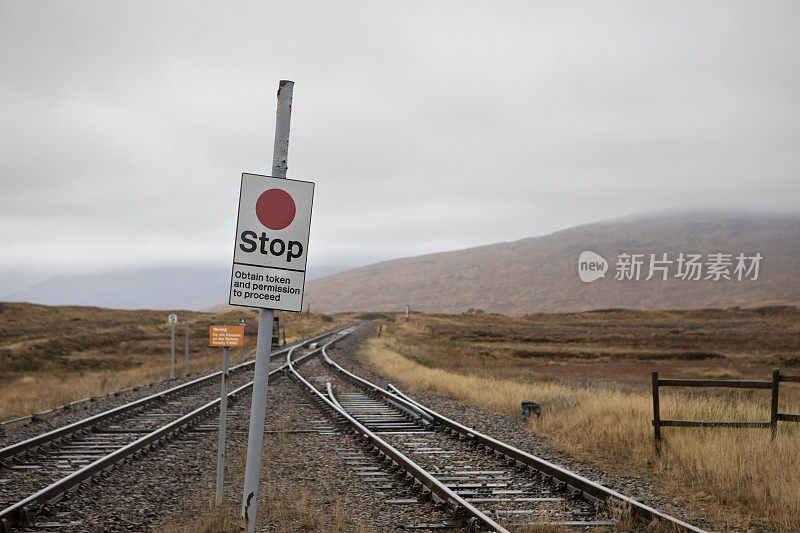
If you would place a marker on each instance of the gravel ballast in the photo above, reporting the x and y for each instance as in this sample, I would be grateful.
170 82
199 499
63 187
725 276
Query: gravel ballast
513 432
307 464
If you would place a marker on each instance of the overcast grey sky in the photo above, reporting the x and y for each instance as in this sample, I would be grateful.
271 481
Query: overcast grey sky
426 125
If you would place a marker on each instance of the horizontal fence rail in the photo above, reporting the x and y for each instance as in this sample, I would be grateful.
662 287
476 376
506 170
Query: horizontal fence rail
772 385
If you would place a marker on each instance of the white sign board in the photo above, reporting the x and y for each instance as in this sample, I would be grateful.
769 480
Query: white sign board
173 318
269 257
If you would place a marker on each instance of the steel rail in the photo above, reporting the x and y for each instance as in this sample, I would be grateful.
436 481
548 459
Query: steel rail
574 482
84 424
587 487
407 407
439 491
22 510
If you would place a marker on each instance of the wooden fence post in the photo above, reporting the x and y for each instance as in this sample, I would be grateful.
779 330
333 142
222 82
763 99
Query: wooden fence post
773 415
656 414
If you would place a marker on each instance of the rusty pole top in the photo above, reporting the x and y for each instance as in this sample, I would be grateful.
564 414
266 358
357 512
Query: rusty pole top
280 151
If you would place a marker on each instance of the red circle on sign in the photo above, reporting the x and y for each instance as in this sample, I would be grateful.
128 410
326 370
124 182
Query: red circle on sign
275 209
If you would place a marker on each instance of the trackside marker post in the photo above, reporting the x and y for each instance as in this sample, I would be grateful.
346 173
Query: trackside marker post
186 353
173 318
269 263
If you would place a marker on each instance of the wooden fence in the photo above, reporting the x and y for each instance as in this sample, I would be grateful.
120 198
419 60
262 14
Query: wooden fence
773 385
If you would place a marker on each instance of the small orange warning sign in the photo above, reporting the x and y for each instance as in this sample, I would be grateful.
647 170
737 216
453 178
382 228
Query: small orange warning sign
226 336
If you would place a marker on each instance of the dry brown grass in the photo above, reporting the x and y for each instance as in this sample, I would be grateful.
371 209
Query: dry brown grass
733 475
300 326
50 356
761 335
38 391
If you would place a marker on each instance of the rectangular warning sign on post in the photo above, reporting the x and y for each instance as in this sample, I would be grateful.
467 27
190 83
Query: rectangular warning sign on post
269 257
226 336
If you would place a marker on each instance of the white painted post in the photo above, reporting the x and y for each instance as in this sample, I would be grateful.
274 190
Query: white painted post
258 405
223 413
186 356
173 319
172 372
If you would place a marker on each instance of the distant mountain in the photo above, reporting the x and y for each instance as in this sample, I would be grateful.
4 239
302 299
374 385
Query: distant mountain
320 271
540 274
147 288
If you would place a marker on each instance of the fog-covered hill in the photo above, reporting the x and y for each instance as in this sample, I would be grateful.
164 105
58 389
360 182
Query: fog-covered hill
541 274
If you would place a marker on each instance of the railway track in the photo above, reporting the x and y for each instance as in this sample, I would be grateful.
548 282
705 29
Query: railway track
40 471
411 455
485 484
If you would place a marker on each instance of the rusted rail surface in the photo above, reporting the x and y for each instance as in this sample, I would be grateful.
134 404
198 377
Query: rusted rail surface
22 511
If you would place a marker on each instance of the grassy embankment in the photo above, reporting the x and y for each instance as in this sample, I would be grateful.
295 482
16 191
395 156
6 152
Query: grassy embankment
736 476
53 355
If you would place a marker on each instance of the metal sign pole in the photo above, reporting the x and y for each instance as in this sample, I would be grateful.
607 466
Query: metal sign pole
258 406
186 357
223 413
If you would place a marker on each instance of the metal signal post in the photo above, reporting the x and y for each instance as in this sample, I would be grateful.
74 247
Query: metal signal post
223 413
